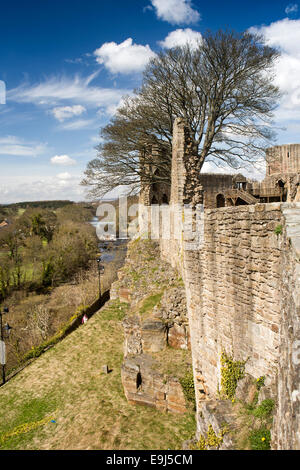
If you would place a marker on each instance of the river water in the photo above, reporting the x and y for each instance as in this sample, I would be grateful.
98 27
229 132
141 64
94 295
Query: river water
107 248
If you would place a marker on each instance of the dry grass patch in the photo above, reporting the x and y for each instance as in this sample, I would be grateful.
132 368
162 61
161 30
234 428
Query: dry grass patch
173 362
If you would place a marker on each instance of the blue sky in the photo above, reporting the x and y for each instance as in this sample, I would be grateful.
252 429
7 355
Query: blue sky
67 63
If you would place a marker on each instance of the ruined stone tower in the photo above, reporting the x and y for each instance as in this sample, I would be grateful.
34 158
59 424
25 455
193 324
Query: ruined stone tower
154 190
283 159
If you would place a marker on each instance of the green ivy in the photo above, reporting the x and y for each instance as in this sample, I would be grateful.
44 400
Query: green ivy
211 439
231 372
187 383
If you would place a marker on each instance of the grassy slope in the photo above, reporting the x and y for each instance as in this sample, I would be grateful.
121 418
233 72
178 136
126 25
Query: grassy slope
89 408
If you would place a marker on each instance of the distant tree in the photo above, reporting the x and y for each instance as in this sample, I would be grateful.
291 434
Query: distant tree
5 277
75 213
71 249
37 221
223 88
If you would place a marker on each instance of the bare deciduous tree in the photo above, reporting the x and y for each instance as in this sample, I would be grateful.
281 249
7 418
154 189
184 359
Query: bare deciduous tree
38 323
223 88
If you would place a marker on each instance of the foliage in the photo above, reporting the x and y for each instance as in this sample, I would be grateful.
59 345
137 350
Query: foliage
150 302
188 387
63 331
223 88
260 382
231 372
52 205
265 409
278 230
41 249
211 439
260 439
38 221
75 213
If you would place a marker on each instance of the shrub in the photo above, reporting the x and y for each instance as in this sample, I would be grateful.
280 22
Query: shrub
231 372
264 409
260 382
187 383
211 439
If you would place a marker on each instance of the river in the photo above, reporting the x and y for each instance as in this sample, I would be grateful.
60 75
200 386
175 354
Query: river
107 248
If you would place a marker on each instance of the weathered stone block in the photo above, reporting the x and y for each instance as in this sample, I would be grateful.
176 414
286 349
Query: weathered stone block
153 335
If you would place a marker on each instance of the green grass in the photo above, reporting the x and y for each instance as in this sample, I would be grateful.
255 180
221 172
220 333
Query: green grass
31 413
260 439
150 302
265 409
91 412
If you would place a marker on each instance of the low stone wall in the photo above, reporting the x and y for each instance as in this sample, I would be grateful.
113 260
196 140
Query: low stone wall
143 385
155 326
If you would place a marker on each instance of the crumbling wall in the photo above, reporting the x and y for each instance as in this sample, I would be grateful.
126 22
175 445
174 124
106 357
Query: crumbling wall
143 385
283 159
213 185
156 333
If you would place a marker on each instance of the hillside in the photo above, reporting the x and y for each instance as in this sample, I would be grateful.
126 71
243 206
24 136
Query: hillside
64 401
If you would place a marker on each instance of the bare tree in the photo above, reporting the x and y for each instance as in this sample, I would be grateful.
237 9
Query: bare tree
38 323
223 88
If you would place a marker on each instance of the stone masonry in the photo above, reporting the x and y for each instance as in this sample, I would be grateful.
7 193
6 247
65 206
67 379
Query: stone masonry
156 322
242 288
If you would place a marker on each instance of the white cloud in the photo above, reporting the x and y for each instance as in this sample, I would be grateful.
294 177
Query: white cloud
12 145
285 35
125 57
291 8
176 11
57 90
81 124
180 37
39 188
62 160
64 176
62 113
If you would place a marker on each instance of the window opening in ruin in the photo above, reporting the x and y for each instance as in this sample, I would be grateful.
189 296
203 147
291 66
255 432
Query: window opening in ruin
220 200
154 200
281 185
165 199
138 380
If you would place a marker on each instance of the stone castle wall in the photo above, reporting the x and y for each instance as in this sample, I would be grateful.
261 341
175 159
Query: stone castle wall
233 291
242 287
283 159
